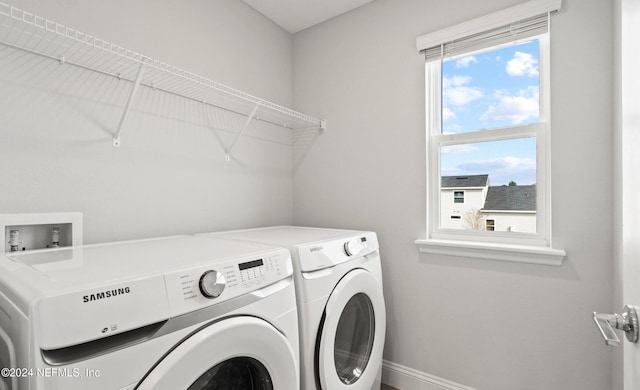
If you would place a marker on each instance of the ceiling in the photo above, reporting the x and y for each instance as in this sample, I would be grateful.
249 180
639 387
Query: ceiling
296 15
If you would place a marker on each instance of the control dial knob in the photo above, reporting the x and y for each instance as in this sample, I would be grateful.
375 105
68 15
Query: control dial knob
353 247
212 283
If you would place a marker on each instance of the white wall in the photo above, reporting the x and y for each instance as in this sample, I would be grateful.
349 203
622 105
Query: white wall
484 324
170 175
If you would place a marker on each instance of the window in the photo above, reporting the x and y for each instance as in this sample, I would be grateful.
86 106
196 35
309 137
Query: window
491 224
488 120
491 116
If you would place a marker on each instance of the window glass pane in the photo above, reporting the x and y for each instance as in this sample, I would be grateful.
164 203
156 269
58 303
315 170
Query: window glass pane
491 224
491 89
498 179
354 338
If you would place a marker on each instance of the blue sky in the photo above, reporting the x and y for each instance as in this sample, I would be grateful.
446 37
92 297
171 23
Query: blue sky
489 90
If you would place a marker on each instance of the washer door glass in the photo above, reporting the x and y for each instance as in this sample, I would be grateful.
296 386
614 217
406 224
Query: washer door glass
234 353
354 338
241 373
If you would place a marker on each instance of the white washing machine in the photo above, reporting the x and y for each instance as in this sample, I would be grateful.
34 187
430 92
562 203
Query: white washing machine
164 314
341 310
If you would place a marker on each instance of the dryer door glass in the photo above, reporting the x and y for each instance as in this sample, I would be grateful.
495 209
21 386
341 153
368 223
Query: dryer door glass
241 373
354 338
351 337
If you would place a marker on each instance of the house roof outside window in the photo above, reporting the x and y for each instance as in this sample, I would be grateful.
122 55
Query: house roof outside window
511 198
497 198
464 181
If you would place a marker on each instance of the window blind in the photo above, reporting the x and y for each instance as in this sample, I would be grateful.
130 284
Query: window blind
518 22
522 29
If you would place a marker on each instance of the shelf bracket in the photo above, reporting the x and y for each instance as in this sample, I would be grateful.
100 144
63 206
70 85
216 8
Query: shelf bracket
246 124
127 108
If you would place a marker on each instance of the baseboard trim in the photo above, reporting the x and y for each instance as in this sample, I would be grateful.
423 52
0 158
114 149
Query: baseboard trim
407 378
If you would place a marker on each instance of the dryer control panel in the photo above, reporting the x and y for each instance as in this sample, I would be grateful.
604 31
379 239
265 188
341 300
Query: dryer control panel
202 286
325 254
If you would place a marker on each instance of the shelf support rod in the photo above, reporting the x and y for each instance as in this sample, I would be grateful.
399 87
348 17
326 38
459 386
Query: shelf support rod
246 124
127 108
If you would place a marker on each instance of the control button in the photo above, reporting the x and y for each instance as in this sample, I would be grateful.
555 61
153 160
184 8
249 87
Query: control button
352 248
212 283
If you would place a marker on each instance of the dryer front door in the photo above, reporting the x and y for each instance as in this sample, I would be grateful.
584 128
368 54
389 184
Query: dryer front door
235 353
349 349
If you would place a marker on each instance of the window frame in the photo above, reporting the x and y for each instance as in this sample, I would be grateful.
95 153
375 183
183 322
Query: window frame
508 246
490 225
436 140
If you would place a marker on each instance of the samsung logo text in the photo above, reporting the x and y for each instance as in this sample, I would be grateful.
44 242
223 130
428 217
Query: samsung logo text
106 294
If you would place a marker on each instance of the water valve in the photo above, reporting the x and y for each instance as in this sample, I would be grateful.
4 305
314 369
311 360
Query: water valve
14 240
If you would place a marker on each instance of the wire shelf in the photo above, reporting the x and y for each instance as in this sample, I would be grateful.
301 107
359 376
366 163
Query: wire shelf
33 34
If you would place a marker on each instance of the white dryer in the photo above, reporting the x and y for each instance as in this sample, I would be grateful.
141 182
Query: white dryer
341 310
164 314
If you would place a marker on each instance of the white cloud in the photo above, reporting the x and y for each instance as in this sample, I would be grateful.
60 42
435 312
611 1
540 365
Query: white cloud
500 164
460 96
462 148
450 172
504 169
455 81
447 114
464 62
457 93
516 109
522 64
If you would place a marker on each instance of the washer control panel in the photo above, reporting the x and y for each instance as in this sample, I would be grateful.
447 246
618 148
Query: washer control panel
196 288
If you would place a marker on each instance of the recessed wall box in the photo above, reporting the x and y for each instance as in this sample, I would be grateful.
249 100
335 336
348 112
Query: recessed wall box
40 231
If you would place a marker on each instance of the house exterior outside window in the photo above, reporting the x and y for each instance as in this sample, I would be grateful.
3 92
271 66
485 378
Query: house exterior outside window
491 208
473 190
512 208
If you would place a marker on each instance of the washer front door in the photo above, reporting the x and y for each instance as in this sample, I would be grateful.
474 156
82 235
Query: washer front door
352 335
235 353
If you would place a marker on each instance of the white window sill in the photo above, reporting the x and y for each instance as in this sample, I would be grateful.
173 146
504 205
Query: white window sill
493 251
